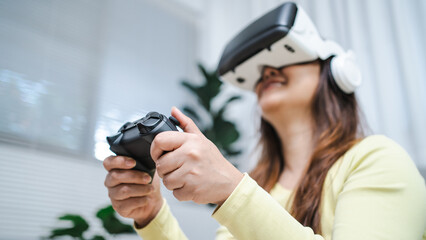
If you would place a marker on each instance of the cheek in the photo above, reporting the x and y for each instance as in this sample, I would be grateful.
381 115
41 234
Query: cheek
305 91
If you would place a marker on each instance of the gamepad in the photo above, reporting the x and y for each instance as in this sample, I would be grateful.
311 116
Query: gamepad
134 139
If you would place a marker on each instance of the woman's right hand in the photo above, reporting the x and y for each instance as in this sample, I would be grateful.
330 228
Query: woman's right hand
130 192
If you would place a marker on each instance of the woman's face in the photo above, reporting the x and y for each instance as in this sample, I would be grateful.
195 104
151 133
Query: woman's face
288 88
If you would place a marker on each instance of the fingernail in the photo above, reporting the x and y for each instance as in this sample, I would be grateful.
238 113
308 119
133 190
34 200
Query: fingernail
130 162
147 178
176 109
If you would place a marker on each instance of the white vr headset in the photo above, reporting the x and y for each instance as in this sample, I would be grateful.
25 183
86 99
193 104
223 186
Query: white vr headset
282 37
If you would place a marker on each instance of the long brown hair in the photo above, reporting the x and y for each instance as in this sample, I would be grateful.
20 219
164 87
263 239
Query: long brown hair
337 128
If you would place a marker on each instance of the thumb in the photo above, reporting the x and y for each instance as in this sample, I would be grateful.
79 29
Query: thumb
186 123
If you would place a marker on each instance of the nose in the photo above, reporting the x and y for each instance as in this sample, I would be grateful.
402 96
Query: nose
269 72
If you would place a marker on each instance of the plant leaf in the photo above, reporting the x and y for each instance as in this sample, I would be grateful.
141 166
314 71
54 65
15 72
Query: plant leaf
211 88
231 99
210 134
111 223
191 113
231 153
97 237
226 132
219 113
79 227
200 93
190 87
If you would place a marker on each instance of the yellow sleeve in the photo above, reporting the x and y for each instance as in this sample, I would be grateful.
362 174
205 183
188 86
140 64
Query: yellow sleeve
223 233
251 213
383 196
163 226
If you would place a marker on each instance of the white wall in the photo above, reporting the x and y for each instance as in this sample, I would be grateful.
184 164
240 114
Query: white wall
139 52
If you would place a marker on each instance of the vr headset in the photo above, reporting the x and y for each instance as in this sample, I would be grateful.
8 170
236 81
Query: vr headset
282 37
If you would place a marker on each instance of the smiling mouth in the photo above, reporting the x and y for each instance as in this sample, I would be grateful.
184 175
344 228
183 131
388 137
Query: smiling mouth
273 84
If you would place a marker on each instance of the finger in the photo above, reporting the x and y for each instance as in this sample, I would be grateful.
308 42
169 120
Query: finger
166 142
124 191
183 194
125 207
176 179
168 163
181 183
119 176
118 162
186 123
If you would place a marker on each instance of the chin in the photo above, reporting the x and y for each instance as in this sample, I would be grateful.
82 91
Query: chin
271 103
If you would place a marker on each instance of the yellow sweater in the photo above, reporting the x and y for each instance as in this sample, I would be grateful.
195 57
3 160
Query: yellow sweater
374 191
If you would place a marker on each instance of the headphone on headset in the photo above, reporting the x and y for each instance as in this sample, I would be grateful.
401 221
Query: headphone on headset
282 37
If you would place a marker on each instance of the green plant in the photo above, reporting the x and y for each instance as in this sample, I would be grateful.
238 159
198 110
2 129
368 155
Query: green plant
223 133
80 225
111 223
107 215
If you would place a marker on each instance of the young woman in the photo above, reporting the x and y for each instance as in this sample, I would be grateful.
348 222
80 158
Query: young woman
318 176
319 169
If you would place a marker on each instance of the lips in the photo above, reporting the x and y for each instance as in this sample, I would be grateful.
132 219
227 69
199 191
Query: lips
271 84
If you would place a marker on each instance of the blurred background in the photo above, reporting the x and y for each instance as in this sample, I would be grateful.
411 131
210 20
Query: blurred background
72 72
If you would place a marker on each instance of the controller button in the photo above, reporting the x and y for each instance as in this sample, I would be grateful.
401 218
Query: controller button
143 129
174 121
151 122
153 115
125 126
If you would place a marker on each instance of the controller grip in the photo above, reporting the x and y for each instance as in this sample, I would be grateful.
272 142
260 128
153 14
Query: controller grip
134 139
119 150
142 168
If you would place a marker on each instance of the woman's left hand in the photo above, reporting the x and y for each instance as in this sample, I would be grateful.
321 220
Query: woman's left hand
192 166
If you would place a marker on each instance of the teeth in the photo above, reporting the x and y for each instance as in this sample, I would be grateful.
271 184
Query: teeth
273 84
276 84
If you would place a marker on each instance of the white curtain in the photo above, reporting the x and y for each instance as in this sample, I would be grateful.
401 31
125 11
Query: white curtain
71 73
388 37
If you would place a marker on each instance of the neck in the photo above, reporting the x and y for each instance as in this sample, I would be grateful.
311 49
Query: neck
296 133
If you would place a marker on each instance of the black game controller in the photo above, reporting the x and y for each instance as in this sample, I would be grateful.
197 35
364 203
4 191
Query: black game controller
134 139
